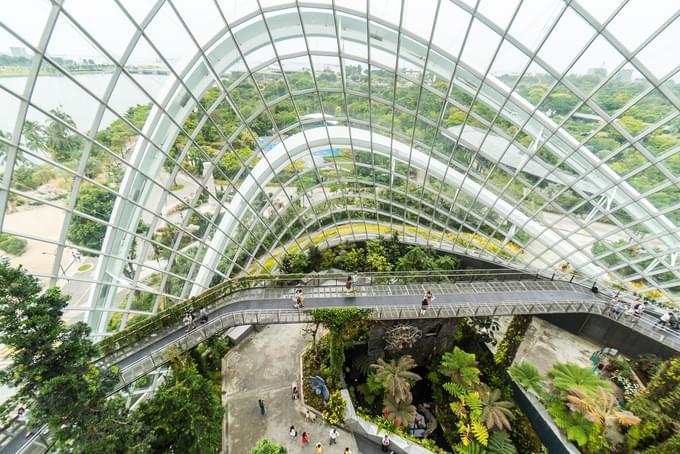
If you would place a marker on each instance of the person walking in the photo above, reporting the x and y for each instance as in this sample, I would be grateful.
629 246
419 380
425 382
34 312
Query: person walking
664 320
203 315
347 451
186 321
333 438
296 391
318 449
425 303
299 298
349 284
385 443
304 439
292 433
260 403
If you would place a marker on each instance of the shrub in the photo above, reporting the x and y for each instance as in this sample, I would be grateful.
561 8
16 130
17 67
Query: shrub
12 245
265 446
334 411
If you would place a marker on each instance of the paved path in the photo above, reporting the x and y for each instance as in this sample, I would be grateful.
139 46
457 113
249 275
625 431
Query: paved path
263 367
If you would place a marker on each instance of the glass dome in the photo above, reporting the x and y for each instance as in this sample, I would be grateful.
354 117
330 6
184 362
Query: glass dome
151 149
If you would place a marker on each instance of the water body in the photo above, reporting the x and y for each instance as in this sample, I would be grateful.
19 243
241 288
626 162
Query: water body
53 92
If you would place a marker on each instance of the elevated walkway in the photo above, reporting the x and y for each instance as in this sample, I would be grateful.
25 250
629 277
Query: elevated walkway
465 295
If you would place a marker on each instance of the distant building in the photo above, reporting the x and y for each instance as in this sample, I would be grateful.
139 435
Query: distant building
625 75
599 72
18 52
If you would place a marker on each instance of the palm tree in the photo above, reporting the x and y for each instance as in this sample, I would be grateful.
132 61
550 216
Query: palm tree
496 413
567 376
461 367
600 408
527 375
396 376
34 133
400 412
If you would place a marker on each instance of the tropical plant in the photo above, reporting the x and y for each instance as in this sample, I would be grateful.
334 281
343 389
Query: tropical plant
471 448
514 335
396 376
334 411
185 413
567 376
527 375
461 367
600 408
575 425
500 443
670 446
496 413
402 413
472 432
264 446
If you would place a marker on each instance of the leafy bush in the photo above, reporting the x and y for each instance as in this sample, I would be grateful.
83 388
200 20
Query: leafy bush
12 245
514 336
334 411
265 446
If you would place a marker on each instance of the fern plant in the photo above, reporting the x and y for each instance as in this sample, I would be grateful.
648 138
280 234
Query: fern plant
568 376
500 443
461 367
527 375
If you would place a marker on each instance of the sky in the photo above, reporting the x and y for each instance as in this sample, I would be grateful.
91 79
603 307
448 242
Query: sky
106 23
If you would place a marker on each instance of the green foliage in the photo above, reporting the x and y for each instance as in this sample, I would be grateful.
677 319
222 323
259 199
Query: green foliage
527 375
97 203
401 412
461 367
670 446
471 448
575 425
371 390
507 349
396 376
185 413
496 413
264 446
386 425
338 318
566 376
12 245
295 263
416 259
51 370
501 443
334 411
62 143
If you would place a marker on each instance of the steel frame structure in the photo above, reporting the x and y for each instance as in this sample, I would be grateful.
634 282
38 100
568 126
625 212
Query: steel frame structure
451 195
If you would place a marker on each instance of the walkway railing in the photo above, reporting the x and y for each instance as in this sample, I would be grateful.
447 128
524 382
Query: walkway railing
524 294
138 331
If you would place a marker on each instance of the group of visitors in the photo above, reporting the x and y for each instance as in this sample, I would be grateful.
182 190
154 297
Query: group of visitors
318 448
190 318
635 309
351 283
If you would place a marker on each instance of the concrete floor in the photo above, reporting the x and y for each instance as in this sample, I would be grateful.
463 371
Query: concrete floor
264 366
545 344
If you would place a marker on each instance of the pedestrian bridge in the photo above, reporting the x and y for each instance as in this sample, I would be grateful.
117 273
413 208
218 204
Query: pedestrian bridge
509 294
265 300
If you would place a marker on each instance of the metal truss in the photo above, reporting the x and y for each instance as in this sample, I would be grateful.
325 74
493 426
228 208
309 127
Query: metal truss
510 172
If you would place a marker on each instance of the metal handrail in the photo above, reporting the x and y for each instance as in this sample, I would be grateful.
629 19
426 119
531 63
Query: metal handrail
157 358
220 293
